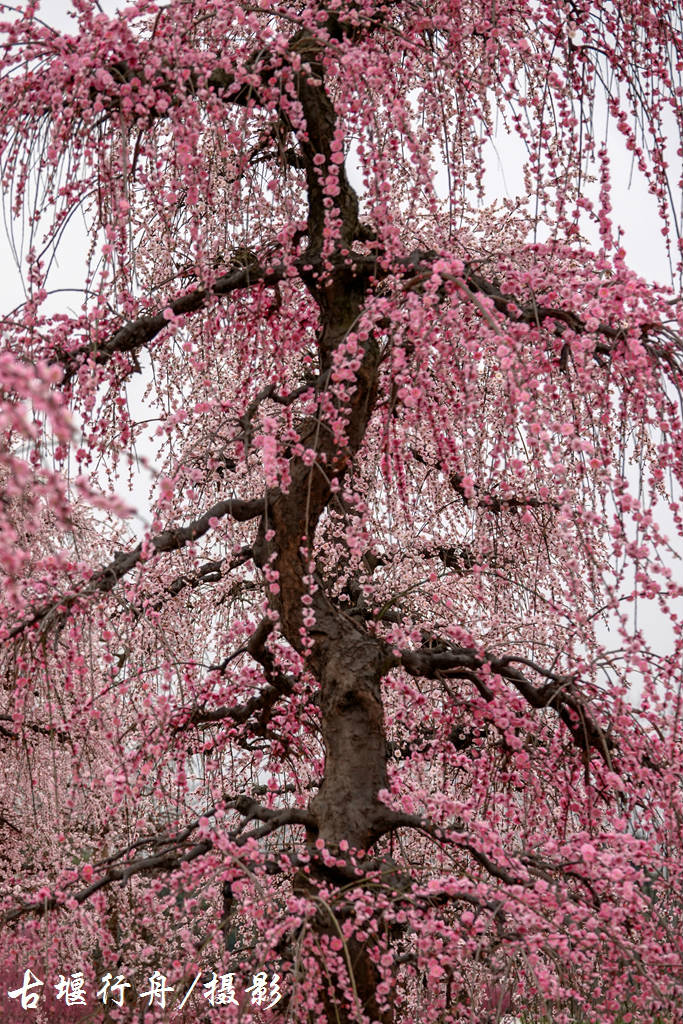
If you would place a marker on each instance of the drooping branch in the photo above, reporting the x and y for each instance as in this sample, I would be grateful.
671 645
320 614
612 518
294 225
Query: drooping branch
499 503
661 341
559 692
455 835
279 685
262 702
532 866
61 735
534 313
209 572
172 852
138 333
105 579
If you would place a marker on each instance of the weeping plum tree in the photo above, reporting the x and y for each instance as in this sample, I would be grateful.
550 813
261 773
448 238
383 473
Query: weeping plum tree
381 695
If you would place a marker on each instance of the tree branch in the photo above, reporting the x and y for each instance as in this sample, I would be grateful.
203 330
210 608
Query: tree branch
453 835
417 269
279 685
209 572
559 692
40 730
105 579
497 504
137 333
171 855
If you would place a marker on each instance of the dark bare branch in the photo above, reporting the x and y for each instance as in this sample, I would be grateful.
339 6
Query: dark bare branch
279 685
499 503
40 730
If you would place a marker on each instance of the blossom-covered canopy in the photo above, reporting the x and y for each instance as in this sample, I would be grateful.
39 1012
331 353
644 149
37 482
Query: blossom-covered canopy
379 694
